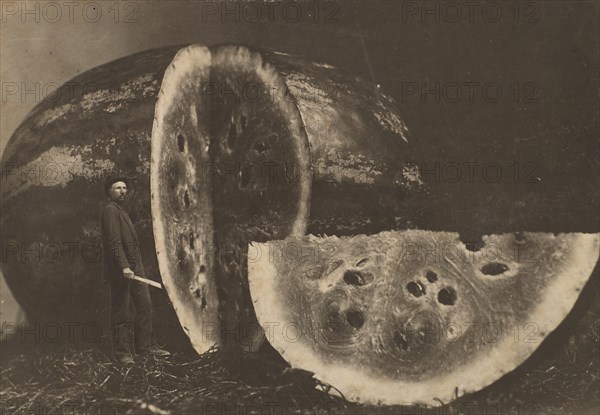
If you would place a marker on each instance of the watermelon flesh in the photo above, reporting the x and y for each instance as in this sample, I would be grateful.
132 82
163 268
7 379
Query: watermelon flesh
210 193
414 316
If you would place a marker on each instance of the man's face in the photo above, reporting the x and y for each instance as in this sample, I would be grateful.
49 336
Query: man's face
117 192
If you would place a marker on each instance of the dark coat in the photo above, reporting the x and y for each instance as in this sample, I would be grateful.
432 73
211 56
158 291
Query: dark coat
120 243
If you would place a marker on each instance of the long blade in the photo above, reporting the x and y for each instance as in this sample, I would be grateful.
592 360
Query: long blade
147 281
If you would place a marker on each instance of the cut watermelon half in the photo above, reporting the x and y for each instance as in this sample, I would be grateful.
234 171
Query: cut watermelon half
210 192
415 316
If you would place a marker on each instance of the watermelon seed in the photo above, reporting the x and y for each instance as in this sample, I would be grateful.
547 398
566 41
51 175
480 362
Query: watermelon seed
356 278
415 288
261 147
198 294
355 318
447 296
494 268
473 245
192 239
362 262
202 268
180 143
186 199
431 276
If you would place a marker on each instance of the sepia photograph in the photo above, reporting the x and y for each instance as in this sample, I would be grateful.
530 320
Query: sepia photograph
300 207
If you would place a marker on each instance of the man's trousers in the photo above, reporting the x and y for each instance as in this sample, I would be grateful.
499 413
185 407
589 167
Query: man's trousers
131 316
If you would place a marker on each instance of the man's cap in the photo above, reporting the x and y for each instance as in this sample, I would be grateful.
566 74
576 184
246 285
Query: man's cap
111 180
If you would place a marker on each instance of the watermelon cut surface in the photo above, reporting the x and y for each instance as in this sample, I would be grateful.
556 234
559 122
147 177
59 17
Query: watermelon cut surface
209 196
415 316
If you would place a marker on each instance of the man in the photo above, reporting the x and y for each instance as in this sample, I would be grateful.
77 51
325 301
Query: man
122 260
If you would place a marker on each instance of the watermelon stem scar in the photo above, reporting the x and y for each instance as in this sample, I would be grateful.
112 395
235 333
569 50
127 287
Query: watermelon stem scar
418 329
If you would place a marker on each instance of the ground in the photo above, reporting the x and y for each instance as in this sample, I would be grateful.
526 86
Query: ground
561 377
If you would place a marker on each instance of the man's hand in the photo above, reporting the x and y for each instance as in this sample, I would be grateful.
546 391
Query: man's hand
128 273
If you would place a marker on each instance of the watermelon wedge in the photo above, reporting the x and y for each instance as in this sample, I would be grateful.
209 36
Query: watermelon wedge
414 316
